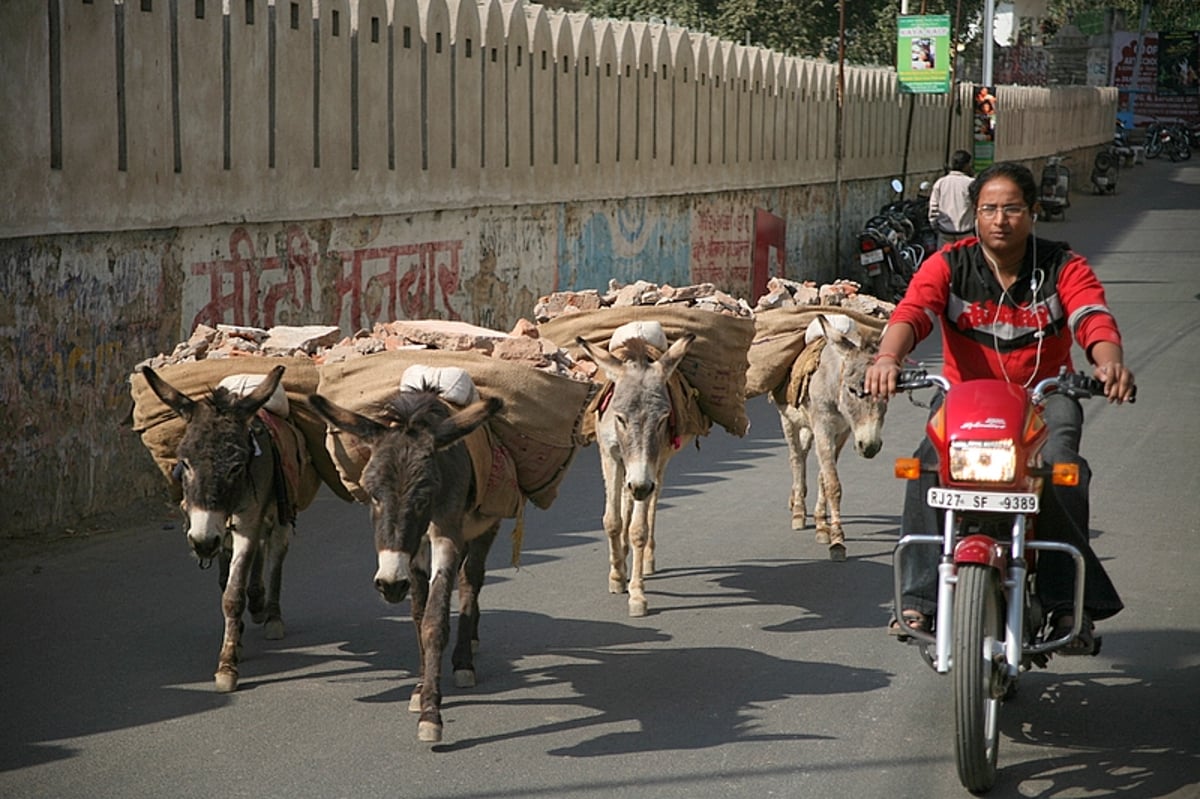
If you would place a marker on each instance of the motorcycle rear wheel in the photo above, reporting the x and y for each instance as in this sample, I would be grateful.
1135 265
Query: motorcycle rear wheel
978 625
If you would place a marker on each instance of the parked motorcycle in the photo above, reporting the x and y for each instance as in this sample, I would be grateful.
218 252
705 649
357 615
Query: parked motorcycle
1105 169
894 242
1172 139
989 626
1055 191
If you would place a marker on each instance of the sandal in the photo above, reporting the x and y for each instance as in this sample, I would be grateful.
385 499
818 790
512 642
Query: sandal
913 620
1082 644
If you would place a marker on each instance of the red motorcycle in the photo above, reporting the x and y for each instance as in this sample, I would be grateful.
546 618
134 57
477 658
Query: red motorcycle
989 626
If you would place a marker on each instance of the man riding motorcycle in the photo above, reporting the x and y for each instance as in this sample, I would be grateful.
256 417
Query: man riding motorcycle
1009 304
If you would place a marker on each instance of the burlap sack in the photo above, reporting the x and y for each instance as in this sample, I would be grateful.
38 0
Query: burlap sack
779 340
539 425
715 364
498 494
161 430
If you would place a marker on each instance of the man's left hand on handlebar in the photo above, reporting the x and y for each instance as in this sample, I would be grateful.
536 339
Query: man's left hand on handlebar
1118 381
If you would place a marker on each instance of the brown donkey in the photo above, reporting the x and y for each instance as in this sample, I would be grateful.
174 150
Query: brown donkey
423 497
236 505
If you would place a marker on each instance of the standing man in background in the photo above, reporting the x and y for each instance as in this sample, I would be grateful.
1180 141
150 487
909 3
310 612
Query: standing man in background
950 210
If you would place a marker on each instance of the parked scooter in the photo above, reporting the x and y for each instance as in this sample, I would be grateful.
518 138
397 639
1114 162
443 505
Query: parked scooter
1105 169
1121 147
1055 193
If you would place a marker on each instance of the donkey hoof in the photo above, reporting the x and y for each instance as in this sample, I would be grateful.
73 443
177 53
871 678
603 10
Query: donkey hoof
226 682
799 522
464 678
837 552
616 586
429 731
274 629
637 608
822 536
414 702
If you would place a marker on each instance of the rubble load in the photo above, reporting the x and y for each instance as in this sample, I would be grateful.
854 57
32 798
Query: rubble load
715 365
783 293
787 344
702 296
538 430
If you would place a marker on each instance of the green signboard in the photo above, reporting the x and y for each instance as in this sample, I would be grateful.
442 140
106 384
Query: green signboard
923 54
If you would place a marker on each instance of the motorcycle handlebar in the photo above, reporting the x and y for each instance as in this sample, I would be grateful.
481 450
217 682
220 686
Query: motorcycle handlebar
1073 384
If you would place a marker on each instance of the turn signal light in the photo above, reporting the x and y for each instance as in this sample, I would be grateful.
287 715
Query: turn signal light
908 468
1065 474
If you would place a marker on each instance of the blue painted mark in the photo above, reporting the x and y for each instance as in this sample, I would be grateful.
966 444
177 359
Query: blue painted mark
631 243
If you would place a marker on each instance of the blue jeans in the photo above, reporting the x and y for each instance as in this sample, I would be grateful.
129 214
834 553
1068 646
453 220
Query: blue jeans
1064 517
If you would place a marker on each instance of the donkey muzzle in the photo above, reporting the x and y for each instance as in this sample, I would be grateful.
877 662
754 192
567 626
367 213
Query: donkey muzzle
392 590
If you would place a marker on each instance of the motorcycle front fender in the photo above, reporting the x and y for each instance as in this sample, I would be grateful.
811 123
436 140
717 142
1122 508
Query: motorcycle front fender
982 550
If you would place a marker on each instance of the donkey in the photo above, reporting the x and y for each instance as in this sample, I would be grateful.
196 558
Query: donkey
833 407
636 441
423 496
231 496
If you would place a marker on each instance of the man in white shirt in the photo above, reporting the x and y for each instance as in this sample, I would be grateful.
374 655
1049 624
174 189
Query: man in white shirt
950 210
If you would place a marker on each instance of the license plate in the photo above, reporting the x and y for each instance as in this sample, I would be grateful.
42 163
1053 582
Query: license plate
988 501
870 257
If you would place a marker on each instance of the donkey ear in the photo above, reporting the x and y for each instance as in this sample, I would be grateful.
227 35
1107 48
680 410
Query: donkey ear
610 363
674 354
465 421
835 336
174 399
347 421
248 405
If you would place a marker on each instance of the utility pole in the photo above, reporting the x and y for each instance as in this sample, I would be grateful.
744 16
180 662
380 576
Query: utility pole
989 19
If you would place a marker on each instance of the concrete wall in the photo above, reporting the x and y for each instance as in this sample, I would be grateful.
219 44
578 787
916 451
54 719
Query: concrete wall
399 161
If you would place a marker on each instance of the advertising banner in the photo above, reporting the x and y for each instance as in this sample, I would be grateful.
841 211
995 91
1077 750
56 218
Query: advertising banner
923 54
1180 100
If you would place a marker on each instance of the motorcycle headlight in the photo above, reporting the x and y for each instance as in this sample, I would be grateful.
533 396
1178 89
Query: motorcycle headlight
983 461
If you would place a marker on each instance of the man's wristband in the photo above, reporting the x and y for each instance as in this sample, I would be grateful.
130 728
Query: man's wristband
883 355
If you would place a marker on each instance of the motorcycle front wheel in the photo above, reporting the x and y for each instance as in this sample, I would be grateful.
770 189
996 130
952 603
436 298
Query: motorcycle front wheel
978 634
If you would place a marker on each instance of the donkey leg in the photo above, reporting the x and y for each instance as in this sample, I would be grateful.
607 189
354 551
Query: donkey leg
638 533
615 516
256 592
648 561
799 439
418 572
435 631
829 499
233 605
277 549
470 584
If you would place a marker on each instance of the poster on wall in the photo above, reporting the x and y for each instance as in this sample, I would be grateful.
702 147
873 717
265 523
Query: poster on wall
1141 91
923 54
985 126
1178 65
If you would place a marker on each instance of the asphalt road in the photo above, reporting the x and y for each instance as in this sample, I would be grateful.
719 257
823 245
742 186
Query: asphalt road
763 668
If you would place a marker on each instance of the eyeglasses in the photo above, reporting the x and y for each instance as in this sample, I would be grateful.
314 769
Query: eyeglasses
1009 211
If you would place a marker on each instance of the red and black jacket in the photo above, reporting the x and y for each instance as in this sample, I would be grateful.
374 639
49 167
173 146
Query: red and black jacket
1023 334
